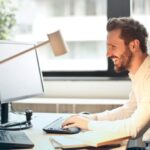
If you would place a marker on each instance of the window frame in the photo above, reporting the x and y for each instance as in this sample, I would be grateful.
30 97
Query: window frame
115 8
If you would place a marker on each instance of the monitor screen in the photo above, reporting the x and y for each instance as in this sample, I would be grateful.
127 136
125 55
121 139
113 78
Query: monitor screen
20 77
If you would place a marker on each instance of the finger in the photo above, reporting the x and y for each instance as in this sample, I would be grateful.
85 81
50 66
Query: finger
66 122
69 126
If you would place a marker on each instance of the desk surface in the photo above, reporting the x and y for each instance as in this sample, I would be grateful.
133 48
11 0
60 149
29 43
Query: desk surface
40 138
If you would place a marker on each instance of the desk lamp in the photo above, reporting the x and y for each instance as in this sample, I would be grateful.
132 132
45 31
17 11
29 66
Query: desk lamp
59 47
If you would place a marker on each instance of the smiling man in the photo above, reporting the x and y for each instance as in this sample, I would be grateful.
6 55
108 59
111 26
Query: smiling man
127 47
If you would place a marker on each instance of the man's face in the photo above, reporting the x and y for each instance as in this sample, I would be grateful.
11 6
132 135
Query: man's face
120 54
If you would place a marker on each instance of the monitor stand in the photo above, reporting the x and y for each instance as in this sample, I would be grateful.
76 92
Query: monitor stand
4 113
6 125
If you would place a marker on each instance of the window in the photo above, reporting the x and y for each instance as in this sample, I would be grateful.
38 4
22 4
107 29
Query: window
141 11
82 23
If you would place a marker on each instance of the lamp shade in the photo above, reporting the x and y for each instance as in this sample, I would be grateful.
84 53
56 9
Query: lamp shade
58 44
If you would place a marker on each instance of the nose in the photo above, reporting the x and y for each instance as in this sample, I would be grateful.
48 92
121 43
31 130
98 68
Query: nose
109 52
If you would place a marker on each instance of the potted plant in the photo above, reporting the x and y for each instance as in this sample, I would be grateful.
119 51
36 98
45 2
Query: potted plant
7 18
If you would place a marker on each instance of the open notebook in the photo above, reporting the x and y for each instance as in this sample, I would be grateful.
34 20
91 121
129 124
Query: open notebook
87 139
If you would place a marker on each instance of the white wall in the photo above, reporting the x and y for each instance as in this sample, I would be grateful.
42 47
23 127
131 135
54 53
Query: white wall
87 89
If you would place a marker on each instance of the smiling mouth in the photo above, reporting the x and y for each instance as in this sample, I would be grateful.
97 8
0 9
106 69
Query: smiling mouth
114 59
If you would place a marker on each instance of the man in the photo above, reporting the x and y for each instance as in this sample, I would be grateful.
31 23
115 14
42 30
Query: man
127 47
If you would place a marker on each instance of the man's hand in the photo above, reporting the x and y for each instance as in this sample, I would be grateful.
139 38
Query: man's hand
76 121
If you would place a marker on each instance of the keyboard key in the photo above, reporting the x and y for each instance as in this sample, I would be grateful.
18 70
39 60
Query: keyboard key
14 140
56 127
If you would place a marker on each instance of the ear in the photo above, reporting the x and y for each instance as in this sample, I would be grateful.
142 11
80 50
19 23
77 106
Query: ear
134 45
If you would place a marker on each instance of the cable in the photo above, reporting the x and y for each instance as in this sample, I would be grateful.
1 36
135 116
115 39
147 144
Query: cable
19 125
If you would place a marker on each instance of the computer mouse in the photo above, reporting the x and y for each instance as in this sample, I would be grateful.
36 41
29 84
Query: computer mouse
85 112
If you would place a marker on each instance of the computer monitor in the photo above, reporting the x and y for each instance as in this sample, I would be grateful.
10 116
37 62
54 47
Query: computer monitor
20 77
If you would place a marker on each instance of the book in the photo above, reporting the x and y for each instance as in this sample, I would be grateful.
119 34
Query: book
87 139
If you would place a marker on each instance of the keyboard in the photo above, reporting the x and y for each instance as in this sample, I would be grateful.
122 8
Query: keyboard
56 127
14 140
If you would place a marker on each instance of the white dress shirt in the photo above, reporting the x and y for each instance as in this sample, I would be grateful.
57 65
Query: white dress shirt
133 118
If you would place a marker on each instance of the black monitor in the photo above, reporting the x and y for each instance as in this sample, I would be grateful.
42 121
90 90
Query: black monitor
20 77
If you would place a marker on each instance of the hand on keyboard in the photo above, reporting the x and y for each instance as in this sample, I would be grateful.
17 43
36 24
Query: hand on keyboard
56 127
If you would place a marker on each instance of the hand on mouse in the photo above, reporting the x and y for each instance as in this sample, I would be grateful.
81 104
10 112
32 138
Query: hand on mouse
76 121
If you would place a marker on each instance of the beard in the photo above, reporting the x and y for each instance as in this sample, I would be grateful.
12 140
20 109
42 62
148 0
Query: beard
124 61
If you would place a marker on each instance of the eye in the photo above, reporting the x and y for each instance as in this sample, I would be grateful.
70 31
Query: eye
111 47
114 47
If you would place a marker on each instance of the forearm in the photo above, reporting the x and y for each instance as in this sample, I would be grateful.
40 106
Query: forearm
133 126
121 112
115 114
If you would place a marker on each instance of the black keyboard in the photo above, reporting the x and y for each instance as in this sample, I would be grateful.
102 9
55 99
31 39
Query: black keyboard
56 127
14 140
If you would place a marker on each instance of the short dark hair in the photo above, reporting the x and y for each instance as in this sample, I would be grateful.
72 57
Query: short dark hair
130 30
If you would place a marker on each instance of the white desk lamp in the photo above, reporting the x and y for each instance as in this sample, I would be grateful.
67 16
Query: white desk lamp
55 39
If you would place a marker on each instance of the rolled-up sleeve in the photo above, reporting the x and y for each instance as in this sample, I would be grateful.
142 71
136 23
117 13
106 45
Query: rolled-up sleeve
133 126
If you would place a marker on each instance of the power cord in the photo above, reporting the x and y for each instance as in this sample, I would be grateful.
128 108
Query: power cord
19 125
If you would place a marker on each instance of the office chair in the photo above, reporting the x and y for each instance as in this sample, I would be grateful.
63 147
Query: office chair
136 148
147 147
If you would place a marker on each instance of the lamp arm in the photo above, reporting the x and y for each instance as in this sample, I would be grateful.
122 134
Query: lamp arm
58 45
23 52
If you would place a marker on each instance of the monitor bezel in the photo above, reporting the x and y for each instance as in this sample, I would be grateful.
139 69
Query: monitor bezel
4 104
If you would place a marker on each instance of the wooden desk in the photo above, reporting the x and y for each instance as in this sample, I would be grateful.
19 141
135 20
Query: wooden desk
40 138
